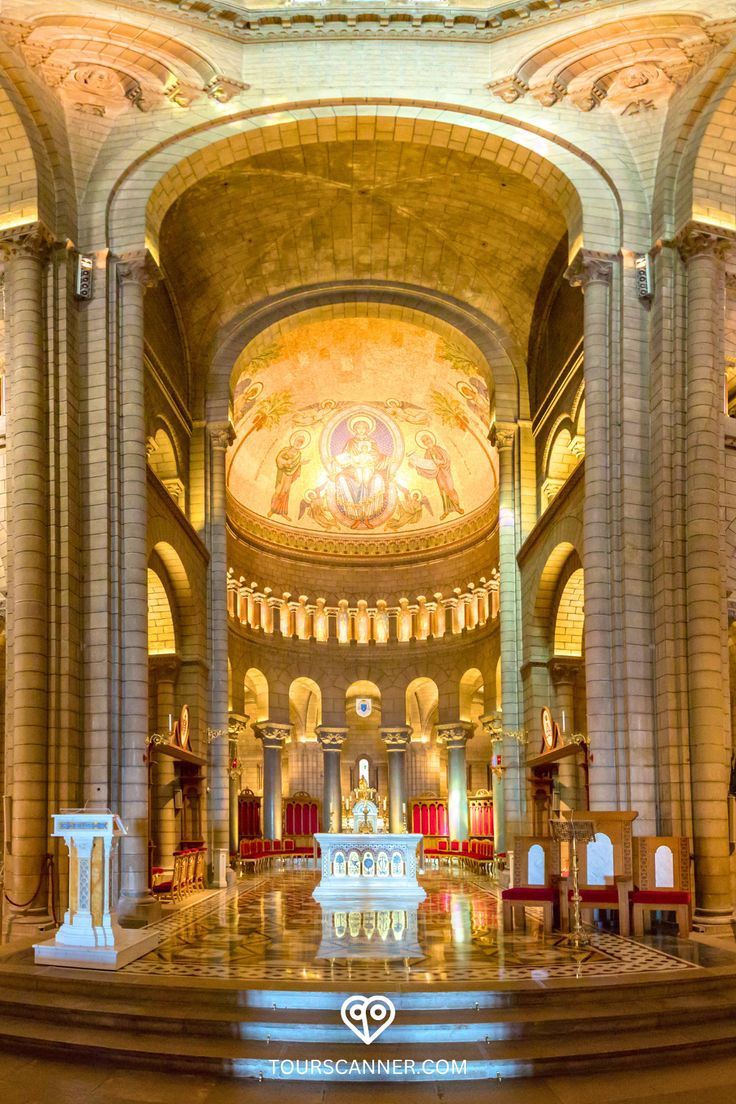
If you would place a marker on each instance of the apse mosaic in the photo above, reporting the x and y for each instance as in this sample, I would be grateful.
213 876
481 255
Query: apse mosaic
362 427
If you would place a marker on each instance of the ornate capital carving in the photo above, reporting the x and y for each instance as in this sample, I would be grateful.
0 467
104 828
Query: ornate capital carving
31 239
701 240
273 735
493 727
331 737
396 737
237 724
509 89
563 671
221 434
454 735
589 267
166 667
502 435
138 267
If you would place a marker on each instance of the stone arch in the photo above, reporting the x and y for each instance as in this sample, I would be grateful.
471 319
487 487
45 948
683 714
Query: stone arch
546 592
569 620
305 707
471 684
161 629
187 617
422 704
256 695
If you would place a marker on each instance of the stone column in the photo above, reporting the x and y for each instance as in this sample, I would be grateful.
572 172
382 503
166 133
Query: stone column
25 251
218 766
237 726
331 740
593 273
136 907
273 737
166 671
563 676
707 678
397 740
505 437
493 728
455 737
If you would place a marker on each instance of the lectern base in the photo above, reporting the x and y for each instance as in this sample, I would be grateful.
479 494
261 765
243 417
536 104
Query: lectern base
130 943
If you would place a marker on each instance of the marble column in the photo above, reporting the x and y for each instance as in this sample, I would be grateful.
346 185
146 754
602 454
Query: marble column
273 737
237 726
563 676
136 907
494 730
25 251
331 740
593 272
397 739
506 437
218 764
455 737
707 679
166 670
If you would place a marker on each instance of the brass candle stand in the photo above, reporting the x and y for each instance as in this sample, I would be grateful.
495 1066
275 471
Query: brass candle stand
574 832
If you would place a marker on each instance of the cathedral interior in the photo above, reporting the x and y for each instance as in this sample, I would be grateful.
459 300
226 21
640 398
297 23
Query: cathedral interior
368 549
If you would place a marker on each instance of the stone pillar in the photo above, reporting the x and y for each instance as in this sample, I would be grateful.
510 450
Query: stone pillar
273 737
136 907
166 669
563 676
505 437
218 766
331 740
593 273
707 679
25 251
237 726
492 727
455 737
397 740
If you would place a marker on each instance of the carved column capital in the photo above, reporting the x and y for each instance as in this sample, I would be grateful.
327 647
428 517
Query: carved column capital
165 667
701 240
138 267
237 724
493 727
396 737
563 671
273 735
454 735
331 737
31 239
221 434
502 435
590 267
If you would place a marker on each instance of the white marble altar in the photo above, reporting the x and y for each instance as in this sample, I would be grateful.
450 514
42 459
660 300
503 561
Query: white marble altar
359 867
90 936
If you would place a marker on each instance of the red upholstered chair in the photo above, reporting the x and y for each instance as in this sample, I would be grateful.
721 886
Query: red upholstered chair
442 846
661 880
276 845
608 889
536 871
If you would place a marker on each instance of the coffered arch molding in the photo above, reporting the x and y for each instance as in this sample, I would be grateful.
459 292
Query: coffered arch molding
504 360
140 198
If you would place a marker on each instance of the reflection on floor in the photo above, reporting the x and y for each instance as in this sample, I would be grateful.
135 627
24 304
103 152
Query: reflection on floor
269 929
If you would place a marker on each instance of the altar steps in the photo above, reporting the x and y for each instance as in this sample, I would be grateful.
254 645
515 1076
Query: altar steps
229 1031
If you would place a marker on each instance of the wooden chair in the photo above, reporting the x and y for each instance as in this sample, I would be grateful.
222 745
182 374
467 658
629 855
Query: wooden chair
605 868
536 871
661 881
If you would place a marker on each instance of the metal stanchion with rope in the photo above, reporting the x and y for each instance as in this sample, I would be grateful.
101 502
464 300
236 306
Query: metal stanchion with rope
47 867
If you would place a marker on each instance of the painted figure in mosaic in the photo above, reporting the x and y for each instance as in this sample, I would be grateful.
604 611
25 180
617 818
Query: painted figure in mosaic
433 462
288 469
360 474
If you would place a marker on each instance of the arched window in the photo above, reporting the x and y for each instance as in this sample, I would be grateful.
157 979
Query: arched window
364 772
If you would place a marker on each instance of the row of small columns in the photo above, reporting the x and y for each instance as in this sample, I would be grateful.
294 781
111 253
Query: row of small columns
424 619
396 738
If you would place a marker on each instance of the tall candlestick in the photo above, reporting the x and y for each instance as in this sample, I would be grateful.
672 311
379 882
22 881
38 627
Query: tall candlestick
563 722
170 723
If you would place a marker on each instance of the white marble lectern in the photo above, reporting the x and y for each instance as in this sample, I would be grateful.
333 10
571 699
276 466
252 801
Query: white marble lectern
90 936
362 868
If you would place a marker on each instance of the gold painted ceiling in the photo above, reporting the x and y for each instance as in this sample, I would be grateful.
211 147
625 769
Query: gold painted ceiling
361 435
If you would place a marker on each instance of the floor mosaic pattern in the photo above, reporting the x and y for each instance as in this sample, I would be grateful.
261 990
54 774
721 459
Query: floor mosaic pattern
269 929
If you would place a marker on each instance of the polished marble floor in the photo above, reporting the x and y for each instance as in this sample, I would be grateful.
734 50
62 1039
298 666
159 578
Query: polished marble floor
269 929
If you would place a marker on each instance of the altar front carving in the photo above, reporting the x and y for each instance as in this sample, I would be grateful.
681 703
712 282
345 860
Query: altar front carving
367 868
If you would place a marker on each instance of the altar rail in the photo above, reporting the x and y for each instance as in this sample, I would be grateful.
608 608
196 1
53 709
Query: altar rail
423 619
